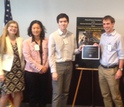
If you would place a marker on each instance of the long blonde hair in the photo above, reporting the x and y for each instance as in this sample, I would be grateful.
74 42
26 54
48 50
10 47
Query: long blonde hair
3 47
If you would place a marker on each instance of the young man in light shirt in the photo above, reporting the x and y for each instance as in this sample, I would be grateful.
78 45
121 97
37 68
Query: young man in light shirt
111 63
62 47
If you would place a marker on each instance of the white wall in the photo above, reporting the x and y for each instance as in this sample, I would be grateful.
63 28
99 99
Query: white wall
24 11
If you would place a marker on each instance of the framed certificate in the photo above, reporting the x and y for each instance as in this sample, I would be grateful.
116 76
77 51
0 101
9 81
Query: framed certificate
91 52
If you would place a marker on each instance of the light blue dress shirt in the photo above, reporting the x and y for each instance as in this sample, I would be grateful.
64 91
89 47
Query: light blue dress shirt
112 48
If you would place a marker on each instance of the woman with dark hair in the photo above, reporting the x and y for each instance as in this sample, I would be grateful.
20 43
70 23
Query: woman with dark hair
11 65
35 51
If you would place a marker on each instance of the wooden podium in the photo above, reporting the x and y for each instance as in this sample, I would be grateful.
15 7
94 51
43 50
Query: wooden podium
79 80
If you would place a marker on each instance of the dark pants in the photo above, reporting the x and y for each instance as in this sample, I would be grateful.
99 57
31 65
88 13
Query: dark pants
36 85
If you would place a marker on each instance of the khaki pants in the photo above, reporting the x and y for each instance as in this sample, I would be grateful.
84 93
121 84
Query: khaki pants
61 86
109 87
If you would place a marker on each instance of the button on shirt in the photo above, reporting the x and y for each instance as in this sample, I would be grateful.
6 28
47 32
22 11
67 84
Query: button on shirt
62 47
112 48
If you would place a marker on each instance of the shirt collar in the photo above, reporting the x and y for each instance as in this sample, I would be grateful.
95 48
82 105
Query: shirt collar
61 33
112 33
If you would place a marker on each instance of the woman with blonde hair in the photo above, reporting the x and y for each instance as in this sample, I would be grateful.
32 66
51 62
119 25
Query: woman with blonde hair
11 65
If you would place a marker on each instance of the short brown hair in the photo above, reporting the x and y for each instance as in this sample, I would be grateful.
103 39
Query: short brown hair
108 17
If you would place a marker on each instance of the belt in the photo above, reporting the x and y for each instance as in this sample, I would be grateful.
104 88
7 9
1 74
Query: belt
112 66
63 62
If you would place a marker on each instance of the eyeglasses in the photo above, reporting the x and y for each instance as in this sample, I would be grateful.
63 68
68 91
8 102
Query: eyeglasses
13 26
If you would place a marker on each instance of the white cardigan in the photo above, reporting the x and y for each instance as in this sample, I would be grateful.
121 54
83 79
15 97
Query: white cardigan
6 63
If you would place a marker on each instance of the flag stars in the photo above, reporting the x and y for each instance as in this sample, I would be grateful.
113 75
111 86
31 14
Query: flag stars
7 10
8 5
7 16
6 20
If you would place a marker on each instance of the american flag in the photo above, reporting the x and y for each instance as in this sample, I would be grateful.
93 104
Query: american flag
8 15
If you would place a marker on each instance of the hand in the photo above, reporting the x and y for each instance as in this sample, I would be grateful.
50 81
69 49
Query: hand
118 74
2 78
80 47
55 76
95 44
43 70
